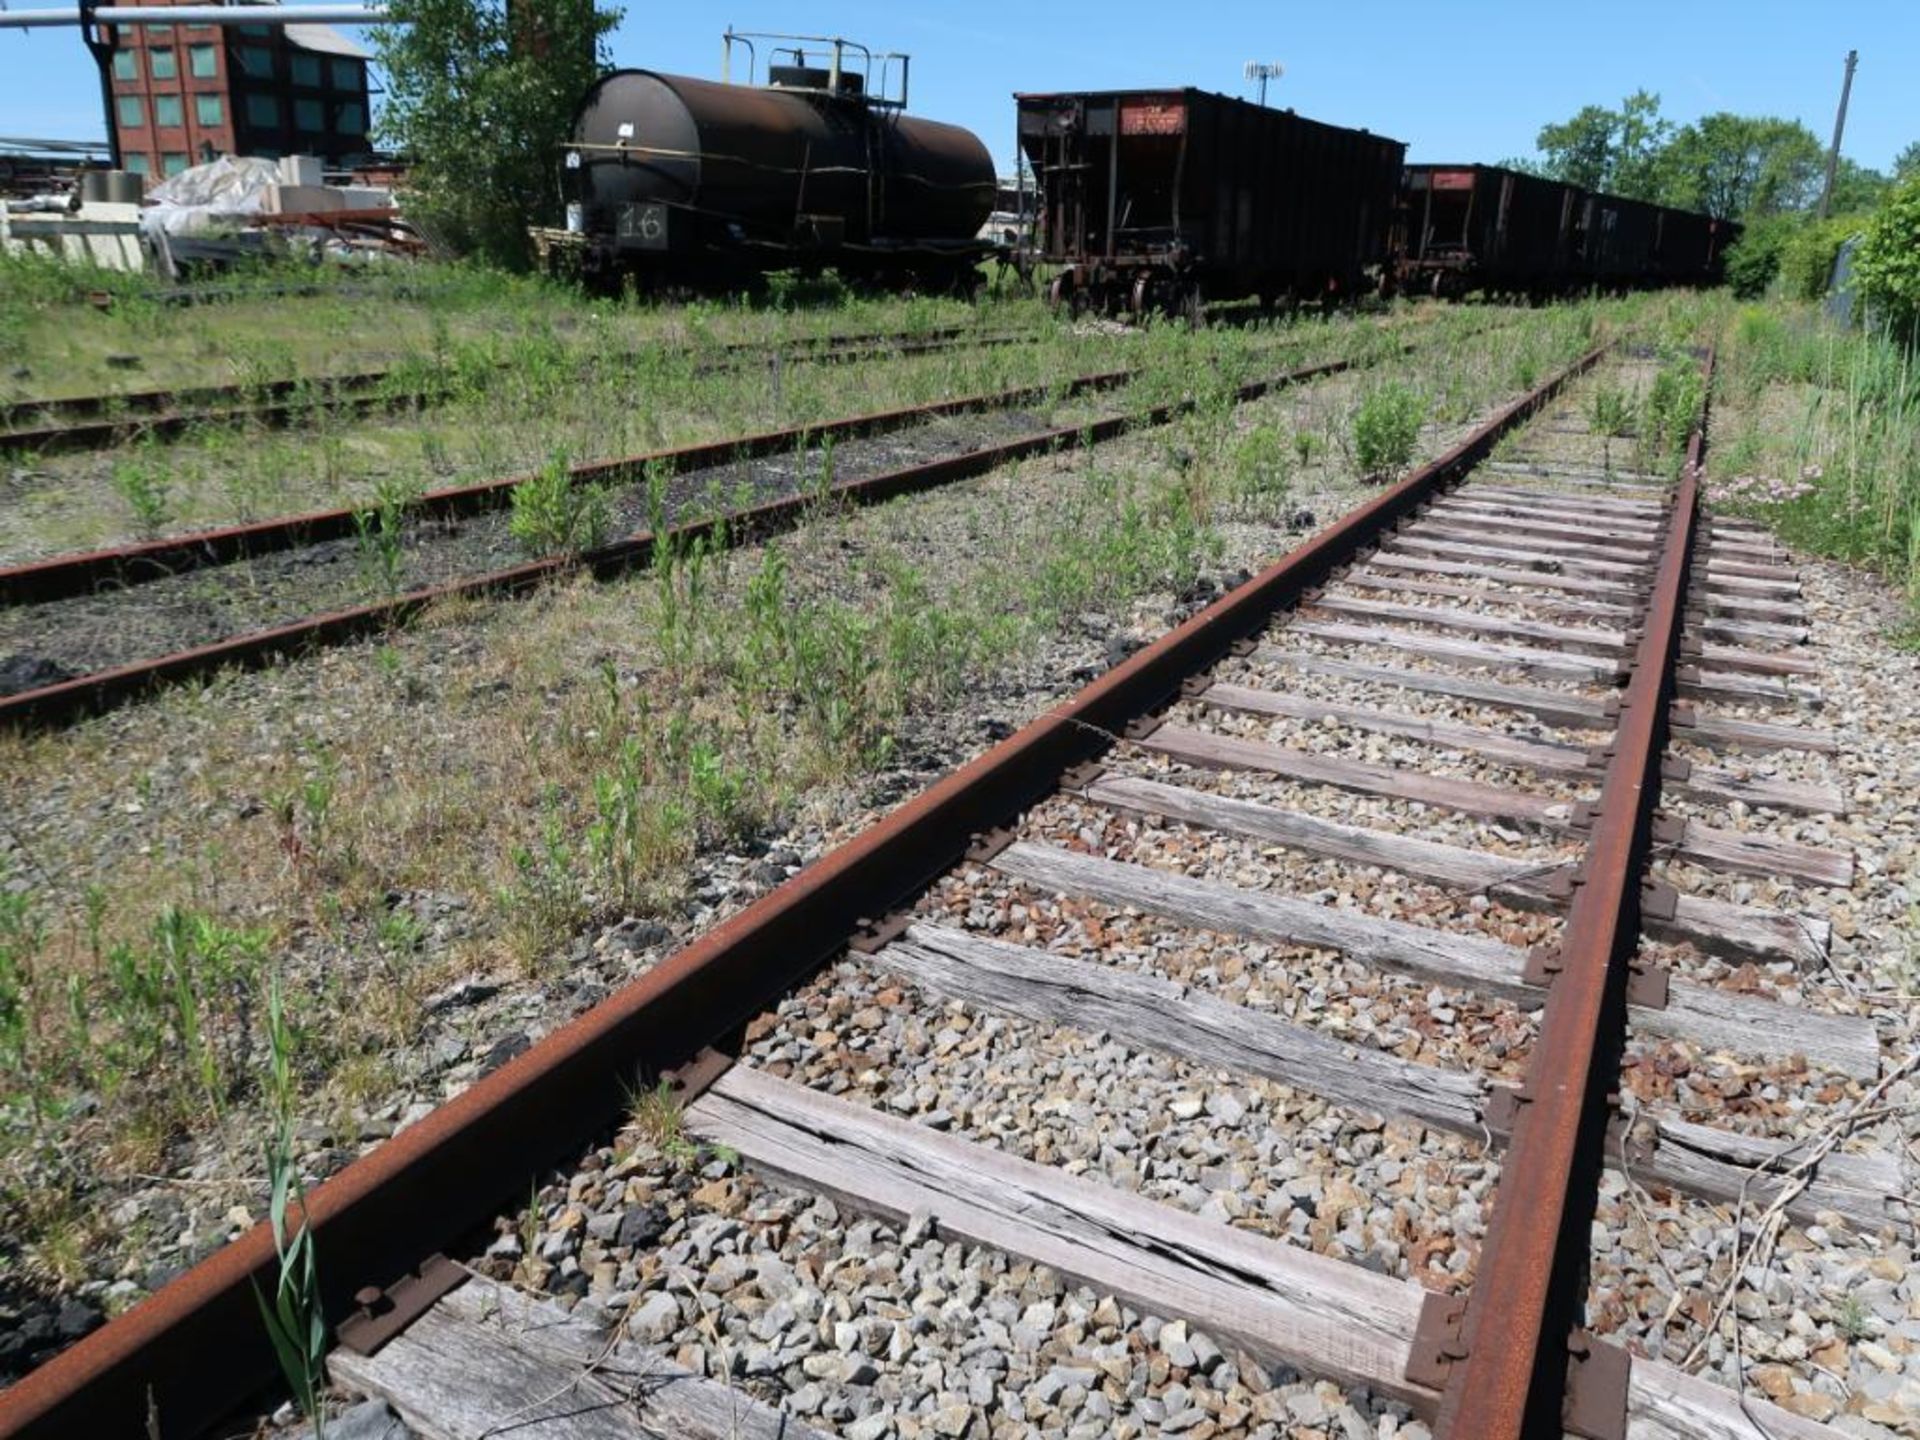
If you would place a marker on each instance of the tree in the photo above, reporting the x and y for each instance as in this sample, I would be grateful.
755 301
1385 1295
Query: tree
1580 151
479 100
1857 189
1737 166
1886 267
1617 151
1906 165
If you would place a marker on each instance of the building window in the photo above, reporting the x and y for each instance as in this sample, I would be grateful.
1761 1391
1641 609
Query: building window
126 65
256 62
306 69
167 110
160 30
200 62
349 75
263 111
353 118
207 109
255 29
136 164
307 116
160 61
172 164
133 111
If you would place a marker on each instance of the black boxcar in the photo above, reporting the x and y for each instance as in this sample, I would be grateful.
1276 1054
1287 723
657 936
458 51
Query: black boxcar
1157 199
1478 227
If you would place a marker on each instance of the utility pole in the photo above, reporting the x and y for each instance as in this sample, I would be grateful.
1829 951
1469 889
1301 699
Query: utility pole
1839 128
1263 72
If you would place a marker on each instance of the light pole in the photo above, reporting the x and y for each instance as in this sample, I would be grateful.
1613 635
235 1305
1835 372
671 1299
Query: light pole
1263 71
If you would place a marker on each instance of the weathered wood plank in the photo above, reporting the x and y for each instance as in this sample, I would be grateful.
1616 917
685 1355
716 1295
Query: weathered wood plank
1277 1302
1404 541
1480 531
1780 612
1758 662
1149 1012
1550 512
1872 1189
1721 580
1547 756
1622 492
1470 797
1280 1303
1751 854
1756 630
1532 599
1699 1014
1726 730
1592 533
1475 653
1747 932
487 1361
1703 845
1604 642
1738 689
1503 574
1553 706
1777 577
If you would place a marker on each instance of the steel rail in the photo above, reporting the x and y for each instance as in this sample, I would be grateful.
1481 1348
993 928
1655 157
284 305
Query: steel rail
107 419
103 689
196 1350
1508 1373
64 577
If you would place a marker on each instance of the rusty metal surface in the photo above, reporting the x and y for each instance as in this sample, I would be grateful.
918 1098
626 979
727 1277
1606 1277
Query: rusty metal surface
1510 1378
196 1350
104 689
85 422
65 576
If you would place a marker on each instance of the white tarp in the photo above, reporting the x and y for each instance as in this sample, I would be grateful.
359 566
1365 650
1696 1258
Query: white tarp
209 196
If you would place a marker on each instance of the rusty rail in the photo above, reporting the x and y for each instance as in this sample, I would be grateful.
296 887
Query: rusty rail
196 1350
103 689
1517 1364
84 422
65 576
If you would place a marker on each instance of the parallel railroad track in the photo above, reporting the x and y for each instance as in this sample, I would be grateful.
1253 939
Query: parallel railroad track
1124 819
90 422
107 574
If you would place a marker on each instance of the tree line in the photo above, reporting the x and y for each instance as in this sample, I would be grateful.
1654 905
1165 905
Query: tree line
1763 171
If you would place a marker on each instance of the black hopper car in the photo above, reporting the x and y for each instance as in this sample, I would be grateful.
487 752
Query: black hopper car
1158 200
1481 228
679 181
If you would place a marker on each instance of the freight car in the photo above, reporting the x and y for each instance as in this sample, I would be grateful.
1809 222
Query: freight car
1155 200
684 181
1479 227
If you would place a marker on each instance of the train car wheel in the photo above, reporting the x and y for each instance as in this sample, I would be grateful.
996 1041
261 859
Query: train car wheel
1060 293
1142 298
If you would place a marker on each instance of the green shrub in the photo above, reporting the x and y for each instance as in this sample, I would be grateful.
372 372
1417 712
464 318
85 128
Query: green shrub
1385 428
1612 411
554 515
1807 259
1886 268
1755 259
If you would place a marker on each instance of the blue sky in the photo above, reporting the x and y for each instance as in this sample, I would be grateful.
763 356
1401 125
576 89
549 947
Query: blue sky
1467 80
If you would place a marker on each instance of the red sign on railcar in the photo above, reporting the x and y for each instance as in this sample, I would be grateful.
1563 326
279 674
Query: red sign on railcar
1147 117
1453 179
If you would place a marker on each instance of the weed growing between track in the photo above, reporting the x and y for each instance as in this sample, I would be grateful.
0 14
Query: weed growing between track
494 792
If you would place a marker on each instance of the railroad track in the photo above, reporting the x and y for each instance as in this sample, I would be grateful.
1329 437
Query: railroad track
91 422
125 580
1149 864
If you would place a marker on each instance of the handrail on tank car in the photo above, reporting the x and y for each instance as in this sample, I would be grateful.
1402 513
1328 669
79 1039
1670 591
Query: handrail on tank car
873 94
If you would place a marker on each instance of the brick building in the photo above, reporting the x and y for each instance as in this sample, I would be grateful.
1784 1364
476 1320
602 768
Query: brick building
187 93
